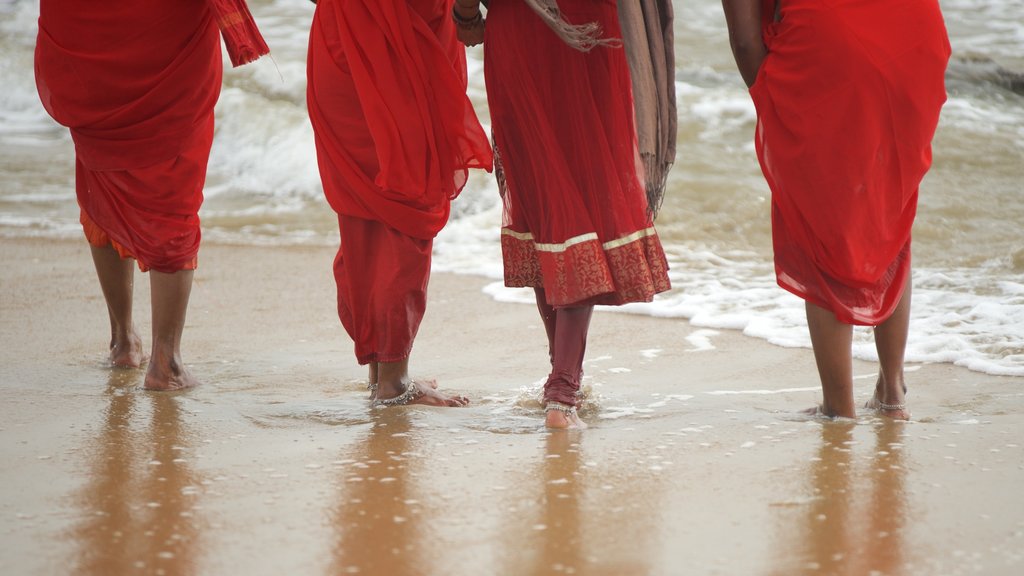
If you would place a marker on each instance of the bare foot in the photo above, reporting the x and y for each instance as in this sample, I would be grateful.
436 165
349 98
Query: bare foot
813 411
423 392
371 382
896 410
562 419
820 411
127 353
168 378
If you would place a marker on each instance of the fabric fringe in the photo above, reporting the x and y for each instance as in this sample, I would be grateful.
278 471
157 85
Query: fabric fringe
655 179
242 38
582 37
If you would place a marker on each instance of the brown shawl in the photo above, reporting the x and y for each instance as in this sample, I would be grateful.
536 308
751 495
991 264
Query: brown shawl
648 38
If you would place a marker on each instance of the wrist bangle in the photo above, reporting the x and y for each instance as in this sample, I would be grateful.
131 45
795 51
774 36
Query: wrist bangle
468 23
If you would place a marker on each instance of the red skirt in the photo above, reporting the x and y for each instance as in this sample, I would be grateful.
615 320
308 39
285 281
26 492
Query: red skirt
847 101
136 83
575 211
395 132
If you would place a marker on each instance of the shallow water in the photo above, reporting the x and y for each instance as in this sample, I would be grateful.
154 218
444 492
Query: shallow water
696 460
193 484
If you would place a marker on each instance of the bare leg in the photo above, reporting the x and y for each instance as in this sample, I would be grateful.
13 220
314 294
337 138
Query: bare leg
571 330
891 343
371 380
832 341
393 379
117 278
170 293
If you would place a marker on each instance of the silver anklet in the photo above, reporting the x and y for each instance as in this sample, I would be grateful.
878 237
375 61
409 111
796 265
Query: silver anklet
372 387
891 407
559 407
411 393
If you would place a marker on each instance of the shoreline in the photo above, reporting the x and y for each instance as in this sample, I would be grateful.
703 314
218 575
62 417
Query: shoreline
696 460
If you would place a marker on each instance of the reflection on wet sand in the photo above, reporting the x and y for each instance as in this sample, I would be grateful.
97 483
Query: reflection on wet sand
558 535
579 516
854 525
137 504
377 516
887 507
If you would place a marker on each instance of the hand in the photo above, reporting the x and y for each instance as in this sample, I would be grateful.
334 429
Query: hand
469 23
470 36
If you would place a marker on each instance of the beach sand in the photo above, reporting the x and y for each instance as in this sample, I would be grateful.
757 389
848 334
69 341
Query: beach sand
697 460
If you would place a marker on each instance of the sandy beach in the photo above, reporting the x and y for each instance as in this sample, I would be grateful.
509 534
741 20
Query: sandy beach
696 461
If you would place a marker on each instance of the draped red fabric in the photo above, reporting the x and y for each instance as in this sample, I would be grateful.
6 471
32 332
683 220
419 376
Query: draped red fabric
395 131
848 101
395 137
575 207
136 83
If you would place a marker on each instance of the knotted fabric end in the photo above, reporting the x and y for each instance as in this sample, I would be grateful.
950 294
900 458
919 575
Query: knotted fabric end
241 36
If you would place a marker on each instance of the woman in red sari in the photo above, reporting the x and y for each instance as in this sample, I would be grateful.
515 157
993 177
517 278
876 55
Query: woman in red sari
848 97
395 136
136 83
577 228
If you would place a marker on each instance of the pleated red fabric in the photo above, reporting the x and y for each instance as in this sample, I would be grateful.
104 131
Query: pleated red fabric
575 209
136 83
848 101
395 131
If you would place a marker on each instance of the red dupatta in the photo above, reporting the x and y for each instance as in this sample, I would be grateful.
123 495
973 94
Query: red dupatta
241 36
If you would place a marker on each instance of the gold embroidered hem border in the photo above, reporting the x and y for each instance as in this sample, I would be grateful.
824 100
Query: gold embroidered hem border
583 270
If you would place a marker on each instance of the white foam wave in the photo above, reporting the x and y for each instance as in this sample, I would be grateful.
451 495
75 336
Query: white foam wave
953 320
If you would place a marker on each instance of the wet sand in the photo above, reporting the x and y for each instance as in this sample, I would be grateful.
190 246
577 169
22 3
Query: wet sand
696 462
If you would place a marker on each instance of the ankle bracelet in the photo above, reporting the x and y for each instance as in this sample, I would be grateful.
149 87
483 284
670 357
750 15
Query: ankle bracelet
559 407
411 393
891 407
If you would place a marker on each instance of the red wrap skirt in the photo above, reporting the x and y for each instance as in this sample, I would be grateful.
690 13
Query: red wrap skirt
136 83
575 210
848 101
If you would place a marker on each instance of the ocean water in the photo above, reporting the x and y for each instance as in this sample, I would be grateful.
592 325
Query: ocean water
263 187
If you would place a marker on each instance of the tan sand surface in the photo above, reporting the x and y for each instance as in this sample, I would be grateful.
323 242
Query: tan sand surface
697 460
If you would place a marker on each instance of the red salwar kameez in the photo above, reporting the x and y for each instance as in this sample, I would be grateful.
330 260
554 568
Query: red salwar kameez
136 83
848 101
576 222
395 136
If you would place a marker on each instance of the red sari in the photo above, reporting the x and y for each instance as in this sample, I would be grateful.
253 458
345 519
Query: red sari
395 137
848 100
136 82
575 211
